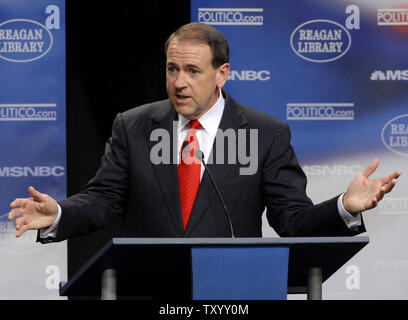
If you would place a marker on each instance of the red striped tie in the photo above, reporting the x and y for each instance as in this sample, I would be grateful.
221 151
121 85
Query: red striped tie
189 171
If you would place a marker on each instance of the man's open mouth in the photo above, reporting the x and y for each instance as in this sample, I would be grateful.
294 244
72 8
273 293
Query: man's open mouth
182 98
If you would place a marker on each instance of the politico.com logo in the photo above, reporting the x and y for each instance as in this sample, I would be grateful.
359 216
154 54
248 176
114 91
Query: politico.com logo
392 17
231 16
319 111
28 112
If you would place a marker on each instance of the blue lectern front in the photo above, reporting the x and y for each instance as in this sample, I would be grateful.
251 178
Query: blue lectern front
212 268
234 273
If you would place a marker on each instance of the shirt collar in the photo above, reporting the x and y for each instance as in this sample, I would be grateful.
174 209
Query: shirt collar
210 120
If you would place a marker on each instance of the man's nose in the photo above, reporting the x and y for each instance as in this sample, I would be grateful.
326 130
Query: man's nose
180 82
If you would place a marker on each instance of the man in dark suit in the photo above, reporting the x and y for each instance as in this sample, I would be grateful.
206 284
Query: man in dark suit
176 198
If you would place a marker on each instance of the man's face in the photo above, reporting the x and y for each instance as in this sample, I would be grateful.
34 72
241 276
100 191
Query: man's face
191 80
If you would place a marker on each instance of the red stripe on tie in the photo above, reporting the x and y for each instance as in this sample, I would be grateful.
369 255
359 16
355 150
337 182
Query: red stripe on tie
189 171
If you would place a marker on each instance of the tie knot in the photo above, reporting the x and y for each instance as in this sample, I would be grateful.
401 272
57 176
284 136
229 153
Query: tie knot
194 124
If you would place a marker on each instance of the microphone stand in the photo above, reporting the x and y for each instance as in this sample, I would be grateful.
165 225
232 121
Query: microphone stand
200 155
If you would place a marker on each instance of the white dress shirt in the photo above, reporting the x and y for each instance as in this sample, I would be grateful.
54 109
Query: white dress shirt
210 122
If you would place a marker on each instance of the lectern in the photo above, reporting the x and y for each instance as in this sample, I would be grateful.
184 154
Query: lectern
212 268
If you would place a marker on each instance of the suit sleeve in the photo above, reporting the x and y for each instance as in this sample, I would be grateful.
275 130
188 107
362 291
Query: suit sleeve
289 210
104 197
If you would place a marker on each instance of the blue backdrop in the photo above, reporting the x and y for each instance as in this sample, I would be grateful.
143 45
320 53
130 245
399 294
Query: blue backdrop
32 136
336 72
32 100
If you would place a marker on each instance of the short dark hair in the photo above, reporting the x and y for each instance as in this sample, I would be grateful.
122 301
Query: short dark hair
203 33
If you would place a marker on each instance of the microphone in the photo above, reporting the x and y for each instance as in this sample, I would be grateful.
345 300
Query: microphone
200 155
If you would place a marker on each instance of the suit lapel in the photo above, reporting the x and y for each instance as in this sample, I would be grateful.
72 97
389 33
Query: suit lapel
166 174
232 118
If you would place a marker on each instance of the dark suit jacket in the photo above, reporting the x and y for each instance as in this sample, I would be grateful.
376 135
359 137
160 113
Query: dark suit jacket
128 183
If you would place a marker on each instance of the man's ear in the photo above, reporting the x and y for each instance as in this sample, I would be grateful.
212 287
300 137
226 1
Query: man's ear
222 74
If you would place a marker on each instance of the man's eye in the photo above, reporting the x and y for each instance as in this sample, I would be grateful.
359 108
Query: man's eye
194 71
171 69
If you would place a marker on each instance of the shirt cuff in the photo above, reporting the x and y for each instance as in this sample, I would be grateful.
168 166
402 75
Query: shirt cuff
52 230
351 221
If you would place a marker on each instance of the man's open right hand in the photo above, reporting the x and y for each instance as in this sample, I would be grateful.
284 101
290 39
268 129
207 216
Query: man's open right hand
37 212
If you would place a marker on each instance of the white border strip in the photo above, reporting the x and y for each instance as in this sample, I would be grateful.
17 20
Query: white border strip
393 23
28 119
393 10
232 9
234 23
320 105
322 118
28 105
